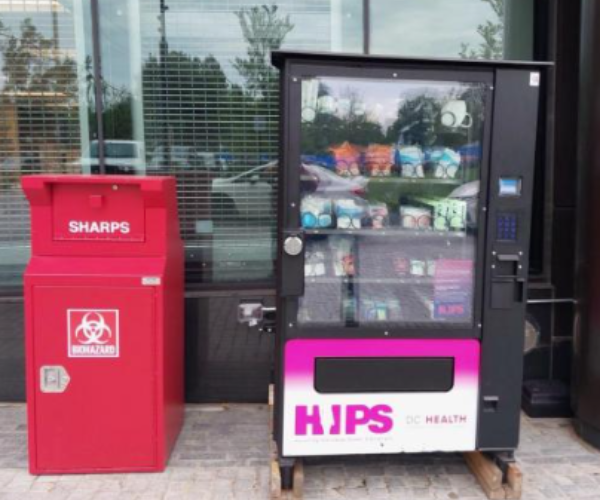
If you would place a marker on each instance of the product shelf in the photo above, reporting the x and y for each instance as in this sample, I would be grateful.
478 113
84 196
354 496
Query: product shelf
395 232
412 281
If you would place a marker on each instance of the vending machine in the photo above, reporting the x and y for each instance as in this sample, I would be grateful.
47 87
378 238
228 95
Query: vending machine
404 219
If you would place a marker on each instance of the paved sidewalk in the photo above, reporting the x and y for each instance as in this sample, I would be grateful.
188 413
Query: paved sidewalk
223 454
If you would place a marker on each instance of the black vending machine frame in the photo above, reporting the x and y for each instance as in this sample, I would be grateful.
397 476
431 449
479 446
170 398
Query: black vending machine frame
508 151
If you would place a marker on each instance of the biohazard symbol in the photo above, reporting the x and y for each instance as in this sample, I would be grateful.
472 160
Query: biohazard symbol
94 328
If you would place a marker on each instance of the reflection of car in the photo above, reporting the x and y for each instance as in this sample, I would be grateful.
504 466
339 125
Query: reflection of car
319 180
185 157
248 194
325 160
120 157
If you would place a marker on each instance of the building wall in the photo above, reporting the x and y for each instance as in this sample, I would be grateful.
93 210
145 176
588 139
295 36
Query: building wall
188 91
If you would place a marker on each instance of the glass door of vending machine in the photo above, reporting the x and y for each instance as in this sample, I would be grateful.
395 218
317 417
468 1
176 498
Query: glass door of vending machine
388 273
390 174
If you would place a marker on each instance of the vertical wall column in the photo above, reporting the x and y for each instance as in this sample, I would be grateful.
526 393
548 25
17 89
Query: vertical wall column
586 383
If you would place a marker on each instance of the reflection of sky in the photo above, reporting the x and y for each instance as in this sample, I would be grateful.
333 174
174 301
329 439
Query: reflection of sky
432 28
115 33
382 99
202 28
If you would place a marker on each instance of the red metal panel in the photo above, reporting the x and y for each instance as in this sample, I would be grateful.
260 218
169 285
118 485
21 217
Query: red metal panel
105 338
112 216
111 213
104 312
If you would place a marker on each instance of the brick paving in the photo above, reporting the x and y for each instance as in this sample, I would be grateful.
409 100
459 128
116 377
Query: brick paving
223 454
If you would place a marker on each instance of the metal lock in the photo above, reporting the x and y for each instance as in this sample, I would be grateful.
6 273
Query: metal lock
54 379
293 246
250 313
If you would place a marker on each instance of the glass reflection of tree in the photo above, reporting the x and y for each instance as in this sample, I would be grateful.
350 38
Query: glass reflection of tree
116 105
208 96
38 79
205 111
264 30
417 122
492 34
243 113
328 129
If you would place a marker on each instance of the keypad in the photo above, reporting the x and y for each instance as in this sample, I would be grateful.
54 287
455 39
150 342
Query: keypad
506 227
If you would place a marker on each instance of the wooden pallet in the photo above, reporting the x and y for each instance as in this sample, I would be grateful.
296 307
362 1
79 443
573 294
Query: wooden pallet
276 492
495 484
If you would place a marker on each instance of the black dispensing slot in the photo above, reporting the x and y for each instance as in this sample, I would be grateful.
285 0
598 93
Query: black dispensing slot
507 265
508 288
348 375
507 293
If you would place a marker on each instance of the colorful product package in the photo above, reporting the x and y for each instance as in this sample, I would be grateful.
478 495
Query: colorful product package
379 160
446 162
349 214
379 215
448 213
347 159
380 310
316 213
401 266
314 264
411 161
418 267
349 309
415 217
342 249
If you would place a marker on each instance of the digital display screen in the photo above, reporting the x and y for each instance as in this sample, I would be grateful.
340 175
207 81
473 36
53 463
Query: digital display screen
510 186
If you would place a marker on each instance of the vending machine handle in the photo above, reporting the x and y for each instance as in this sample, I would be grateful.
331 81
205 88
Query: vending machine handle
291 278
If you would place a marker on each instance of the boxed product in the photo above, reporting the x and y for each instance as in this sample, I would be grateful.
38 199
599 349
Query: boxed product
401 266
411 160
347 159
447 213
445 162
379 160
415 217
343 256
314 264
349 214
380 310
379 215
316 213
418 267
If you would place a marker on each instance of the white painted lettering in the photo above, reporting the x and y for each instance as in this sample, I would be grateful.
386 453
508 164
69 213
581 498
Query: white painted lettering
99 227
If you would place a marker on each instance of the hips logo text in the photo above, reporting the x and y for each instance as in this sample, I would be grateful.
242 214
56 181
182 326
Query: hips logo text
341 419
100 227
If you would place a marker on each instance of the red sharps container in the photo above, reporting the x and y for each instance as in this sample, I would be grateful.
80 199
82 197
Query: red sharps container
104 323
